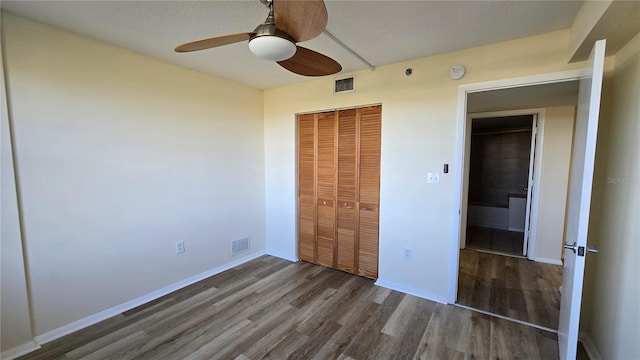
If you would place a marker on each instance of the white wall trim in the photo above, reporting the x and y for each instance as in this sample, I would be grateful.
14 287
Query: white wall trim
458 168
548 261
282 255
540 79
589 346
411 291
19 350
118 309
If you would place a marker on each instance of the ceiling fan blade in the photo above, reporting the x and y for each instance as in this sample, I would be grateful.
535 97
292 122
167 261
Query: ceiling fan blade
302 19
310 63
212 42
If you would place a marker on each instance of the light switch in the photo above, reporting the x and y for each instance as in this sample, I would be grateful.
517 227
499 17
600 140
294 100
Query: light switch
433 178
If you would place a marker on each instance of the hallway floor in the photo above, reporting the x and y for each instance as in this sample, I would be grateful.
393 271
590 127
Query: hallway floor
496 240
513 287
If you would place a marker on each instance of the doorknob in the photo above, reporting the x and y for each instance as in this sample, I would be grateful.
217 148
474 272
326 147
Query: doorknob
580 249
573 247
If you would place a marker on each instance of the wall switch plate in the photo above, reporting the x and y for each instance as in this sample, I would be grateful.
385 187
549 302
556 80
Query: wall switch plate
433 178
408 253
179 247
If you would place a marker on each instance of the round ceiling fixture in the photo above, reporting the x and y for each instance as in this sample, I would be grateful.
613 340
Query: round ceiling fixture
457 72
272 47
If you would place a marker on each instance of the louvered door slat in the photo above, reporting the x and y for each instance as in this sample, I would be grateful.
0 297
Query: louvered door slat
347 170
326 188
306 188
369 190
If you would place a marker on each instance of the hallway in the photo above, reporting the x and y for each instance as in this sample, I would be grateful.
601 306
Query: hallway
513 287
495 240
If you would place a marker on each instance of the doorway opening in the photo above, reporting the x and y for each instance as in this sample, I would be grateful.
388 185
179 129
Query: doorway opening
509 187
501 166
496 275
581 163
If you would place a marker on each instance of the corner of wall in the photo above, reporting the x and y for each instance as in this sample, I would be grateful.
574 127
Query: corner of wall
16 332
584 22
589 346
20 350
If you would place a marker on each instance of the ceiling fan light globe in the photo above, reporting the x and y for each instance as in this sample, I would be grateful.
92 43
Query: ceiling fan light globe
272 47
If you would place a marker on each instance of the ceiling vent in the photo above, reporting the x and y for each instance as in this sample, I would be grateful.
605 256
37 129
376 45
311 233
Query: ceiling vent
344 85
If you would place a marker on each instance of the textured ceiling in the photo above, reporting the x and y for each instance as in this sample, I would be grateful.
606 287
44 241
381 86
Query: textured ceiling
382 32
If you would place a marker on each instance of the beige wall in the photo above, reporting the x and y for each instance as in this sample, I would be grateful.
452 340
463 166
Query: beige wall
611 312
554 181
15 321
418 132
119 156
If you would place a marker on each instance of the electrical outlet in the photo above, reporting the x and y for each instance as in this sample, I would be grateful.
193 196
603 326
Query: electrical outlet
433 178
179 247
408 253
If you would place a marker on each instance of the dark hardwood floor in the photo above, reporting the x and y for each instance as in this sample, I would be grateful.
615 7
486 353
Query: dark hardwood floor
275 309
514 287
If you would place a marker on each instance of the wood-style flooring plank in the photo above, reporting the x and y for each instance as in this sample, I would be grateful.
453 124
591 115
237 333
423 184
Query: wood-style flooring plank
509 286
369 337
270 308
407 327
268 343
344 336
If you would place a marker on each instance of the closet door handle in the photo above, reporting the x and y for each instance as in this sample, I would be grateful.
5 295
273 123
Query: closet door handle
324 202
346 204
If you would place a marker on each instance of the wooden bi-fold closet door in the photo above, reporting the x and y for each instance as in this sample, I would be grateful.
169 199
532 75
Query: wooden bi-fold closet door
326 188
339 189
369 133
307 187
347 183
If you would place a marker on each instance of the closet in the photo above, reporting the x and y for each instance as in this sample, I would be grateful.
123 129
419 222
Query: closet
339 189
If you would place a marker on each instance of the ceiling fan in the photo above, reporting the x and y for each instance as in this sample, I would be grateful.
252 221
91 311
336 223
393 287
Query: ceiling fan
288 22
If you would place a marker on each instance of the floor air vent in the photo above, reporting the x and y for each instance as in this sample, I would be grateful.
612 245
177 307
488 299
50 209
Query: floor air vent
240 245
344 85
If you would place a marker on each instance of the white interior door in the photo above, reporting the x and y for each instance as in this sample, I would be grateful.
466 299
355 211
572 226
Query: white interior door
581 181
532 160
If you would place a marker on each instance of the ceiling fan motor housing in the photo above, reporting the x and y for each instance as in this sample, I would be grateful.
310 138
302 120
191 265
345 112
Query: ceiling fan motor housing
271 43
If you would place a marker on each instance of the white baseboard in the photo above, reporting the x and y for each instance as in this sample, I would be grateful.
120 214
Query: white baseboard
589 346
411 291
282 255
19 350
118 309
548 261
